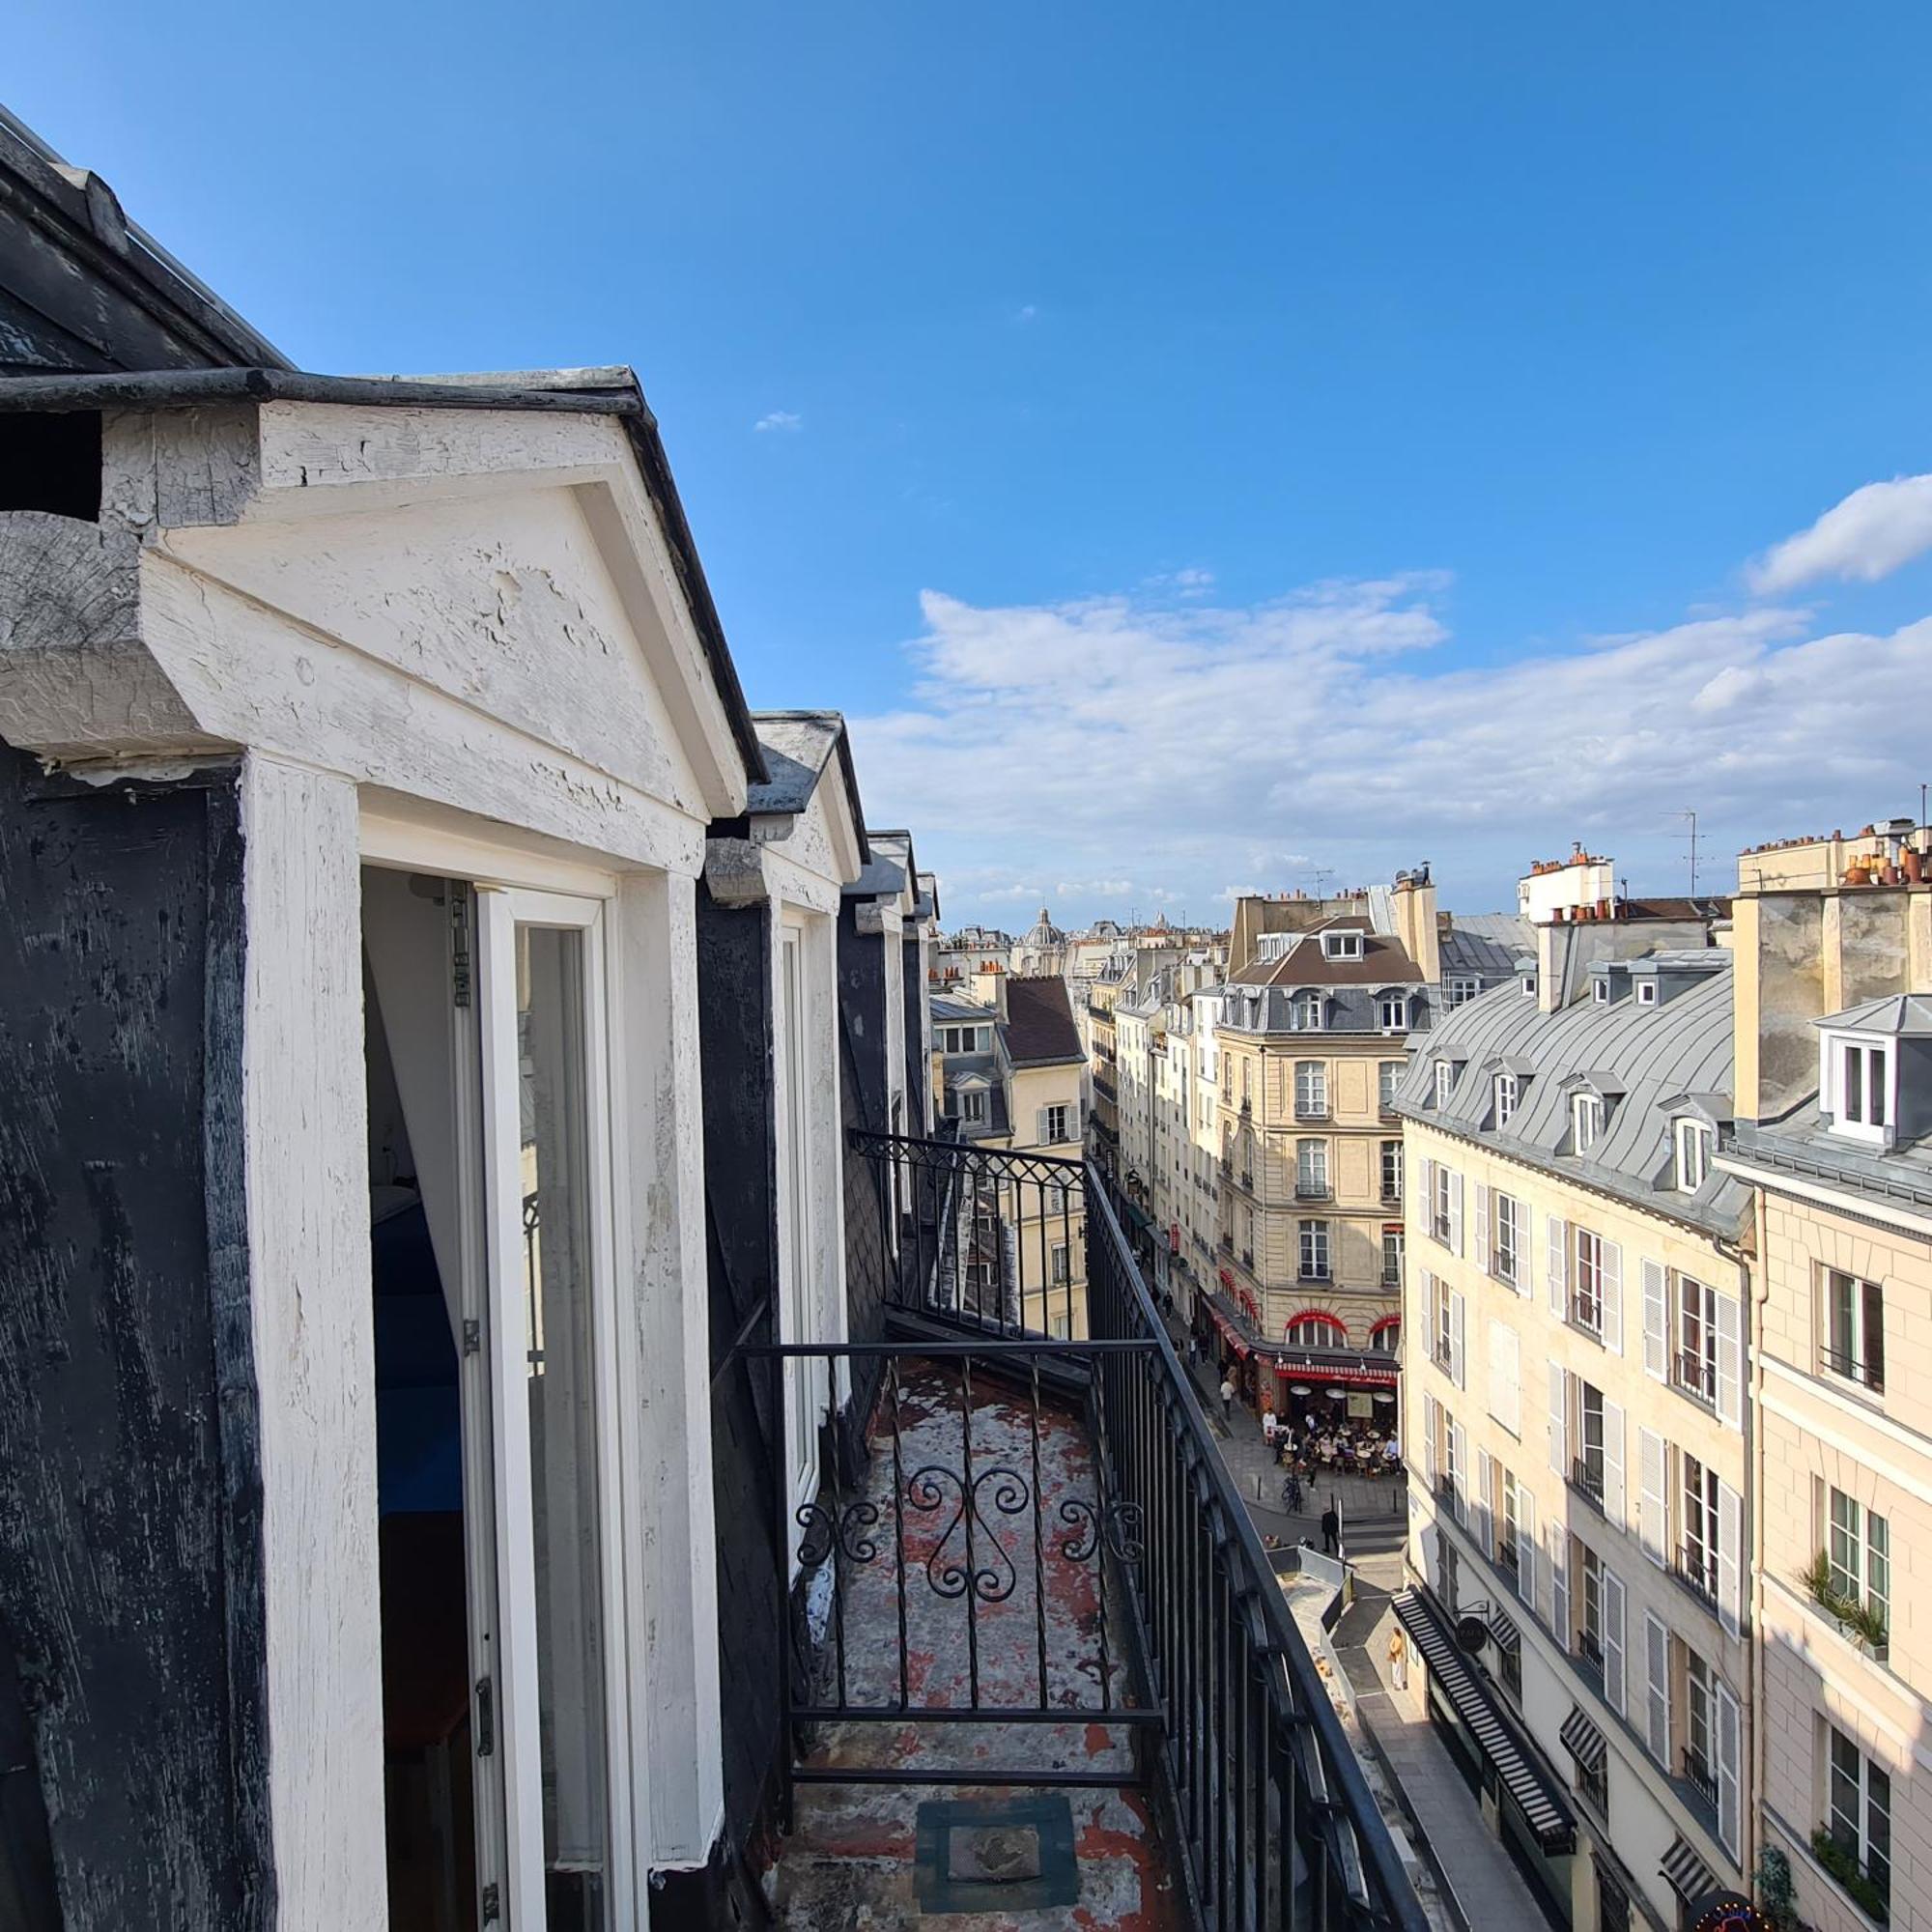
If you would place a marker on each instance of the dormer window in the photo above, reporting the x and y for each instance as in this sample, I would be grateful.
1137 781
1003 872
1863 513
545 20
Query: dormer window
1506 1094
1599 991
1646 992
1856 1085
1445 1080
1394 1010
1694 1142
1528 985
1586 1121
1308 1012
1341 946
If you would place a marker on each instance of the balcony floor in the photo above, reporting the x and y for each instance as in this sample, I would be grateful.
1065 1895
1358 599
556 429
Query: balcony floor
853 1858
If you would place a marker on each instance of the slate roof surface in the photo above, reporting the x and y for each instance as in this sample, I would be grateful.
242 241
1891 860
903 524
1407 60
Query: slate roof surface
1907 1015
1465 952
1657 1055
1383 963
1039 1022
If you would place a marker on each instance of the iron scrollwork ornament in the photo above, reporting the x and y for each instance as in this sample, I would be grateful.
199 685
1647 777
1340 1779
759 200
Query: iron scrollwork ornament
992 1577
1121 1523
825 1524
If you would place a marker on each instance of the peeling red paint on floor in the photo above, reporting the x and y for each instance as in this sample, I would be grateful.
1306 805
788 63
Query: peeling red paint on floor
1036 1635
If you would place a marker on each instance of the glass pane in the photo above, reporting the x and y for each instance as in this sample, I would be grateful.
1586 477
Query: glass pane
563 1421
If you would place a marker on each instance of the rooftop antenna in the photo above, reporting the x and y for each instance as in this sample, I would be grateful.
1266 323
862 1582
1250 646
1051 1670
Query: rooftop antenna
1323 874
1690 814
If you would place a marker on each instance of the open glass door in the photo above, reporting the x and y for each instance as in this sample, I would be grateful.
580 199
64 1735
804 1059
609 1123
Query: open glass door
546 1160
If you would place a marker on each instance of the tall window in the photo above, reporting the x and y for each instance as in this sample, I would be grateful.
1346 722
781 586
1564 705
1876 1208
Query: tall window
1315 1251
1445 1082
1460 991
1858 1812
1590 1625
973 1106
1506 1093
1311 1168
1505 1237
1589 1469
1391 1171
1442 1181
1057 1127
1308 1012
1862 1084
1391 1257
1854 1328
1586 1121
1386 1075
1586 1292
1394 1012
1859 1549
1693 1156
1697 1560
1311 1089
1700 1724
1060 1275
1697 1364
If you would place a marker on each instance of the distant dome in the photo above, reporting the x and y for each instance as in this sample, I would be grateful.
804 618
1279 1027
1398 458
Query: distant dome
1044 932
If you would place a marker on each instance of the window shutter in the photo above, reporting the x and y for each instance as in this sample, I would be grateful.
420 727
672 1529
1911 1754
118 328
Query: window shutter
1657 1688
1559 1416
1656 1320
1613 1297
1525 1546
1460 1477
1730 1572
1613 1463
1728 1753
1556 1235
1429 1442
1505 1389
1458 1323
1650 1513
1730 1361
1482 1227
1455 1212
1486 1508
1040 1128
1614 1641
1559 1582
1427 1169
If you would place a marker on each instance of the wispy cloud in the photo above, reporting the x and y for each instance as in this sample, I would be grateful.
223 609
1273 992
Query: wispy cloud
1026 312
785 421
1207 743
1867 535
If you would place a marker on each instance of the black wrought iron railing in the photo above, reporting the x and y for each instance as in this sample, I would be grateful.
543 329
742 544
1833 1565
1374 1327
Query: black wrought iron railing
1695 1374
1869 1369
1107 1611
1586 1478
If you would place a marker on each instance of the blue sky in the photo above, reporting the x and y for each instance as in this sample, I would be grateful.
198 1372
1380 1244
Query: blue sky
1203 446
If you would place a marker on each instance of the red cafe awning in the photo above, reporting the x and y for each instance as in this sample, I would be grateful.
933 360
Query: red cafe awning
1232 1335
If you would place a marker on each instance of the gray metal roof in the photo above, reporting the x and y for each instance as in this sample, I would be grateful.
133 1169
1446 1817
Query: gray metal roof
1465 951
1800 1143
1651 1063
1901 1015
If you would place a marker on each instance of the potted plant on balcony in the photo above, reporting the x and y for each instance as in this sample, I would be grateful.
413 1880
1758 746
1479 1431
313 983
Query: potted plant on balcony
1859 1621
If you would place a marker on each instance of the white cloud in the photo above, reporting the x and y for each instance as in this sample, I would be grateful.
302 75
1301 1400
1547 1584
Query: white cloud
1026 312
784 420
1200 743
1867 536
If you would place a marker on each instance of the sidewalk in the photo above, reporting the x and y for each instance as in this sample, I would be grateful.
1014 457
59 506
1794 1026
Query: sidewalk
1483 1883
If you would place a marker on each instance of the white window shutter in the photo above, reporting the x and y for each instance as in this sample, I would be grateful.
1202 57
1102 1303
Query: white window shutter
1656 1320
1040 1132
1428 1175
1505 1390
1458 1323
1614 1641
1613 1297
1525 1546
1555 1234
1730 1361
1650 1512
1429 1442
1486 1508
1455 1212
1657 1688
1559 1421
1481 1249
1559 1582
1730 1571
1728 1783
1460 1456
1613 1463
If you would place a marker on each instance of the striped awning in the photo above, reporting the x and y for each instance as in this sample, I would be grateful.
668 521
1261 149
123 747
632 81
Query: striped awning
1502 1627
1535 1789
1583 1739
1686 1872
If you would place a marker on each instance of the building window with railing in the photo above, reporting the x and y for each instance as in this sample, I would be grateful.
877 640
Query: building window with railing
1313 1250
1697 1550
1586 1284
1392 1239
1590 1608
1311 1089
1695 1368
1391 1172
1386 1075
1311 1169
1506 1225
1855 1843
1853 1329
1445 1186
1587 1465
1699 1760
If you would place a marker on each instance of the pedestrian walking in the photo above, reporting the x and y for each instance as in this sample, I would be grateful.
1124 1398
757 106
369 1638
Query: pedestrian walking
1227 1396
1267 1426
1331 1532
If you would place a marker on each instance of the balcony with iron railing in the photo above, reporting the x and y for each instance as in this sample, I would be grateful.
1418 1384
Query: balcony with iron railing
1032 1581
1586 1480
1866 1370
